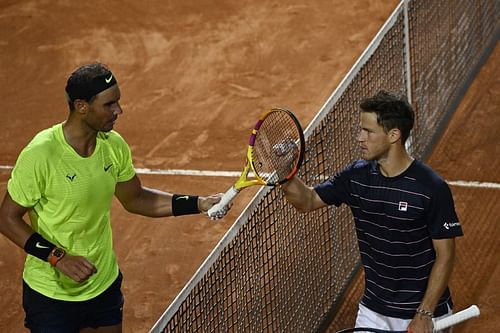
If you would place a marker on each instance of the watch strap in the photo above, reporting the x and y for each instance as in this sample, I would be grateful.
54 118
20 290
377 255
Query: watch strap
55 255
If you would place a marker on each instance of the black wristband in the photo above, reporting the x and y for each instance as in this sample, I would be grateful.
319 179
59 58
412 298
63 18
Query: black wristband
184 204
38 246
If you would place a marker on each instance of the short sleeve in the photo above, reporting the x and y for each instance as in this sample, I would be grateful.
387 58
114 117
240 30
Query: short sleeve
335 190
126 170
442 218
26 182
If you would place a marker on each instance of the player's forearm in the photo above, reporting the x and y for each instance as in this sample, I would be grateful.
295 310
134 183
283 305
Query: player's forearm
152 203
156 203
15 229
12 224
299 194
440 275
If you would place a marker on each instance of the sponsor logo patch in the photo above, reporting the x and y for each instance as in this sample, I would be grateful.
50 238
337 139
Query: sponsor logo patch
403 206
451 225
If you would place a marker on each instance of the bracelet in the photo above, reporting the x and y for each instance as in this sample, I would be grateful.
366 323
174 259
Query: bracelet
38 246
424 312
184 204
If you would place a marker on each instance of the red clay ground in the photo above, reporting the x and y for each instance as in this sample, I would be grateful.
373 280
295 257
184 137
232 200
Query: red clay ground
469 151
194 75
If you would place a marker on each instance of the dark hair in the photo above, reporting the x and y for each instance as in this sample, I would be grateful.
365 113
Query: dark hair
392 110
87 81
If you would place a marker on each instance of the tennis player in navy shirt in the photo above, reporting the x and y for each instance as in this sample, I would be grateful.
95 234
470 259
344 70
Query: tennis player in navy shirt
405 220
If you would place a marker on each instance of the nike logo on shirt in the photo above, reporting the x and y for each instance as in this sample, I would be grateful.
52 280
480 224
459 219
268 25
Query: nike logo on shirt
106 168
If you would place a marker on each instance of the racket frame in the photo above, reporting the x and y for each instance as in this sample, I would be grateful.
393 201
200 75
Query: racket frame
243 180
258 179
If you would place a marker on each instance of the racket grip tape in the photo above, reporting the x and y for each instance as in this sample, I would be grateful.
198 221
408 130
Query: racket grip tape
219 209
470 312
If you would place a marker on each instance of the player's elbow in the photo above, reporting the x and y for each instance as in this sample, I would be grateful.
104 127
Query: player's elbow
131 204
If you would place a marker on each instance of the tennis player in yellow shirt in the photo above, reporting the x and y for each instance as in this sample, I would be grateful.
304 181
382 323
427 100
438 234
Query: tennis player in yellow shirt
65 179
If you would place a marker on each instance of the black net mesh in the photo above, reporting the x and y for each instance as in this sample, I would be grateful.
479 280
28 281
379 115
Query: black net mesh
283 271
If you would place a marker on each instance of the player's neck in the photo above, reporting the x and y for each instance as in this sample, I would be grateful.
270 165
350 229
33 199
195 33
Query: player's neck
82 140
395 163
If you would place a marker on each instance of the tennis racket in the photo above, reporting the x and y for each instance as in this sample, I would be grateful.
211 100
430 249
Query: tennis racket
439 324
274 155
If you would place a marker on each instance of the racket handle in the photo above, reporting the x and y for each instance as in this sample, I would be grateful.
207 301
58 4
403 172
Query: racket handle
218 210
470 312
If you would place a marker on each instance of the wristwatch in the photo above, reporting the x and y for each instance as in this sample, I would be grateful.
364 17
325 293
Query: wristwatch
55 255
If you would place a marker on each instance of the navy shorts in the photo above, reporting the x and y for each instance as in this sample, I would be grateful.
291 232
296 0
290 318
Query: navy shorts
47 315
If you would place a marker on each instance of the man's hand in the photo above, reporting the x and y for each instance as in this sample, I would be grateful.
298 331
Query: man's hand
421 324
205 203
76 267
286 152
287 146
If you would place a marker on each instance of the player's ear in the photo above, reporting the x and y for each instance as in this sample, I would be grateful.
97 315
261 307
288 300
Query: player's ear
394 135
81 106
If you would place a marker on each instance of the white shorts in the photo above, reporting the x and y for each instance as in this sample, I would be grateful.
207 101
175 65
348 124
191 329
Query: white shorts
372 319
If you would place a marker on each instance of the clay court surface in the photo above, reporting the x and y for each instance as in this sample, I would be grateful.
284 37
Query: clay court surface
194 75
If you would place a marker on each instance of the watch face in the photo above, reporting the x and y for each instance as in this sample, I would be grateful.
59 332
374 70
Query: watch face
58 253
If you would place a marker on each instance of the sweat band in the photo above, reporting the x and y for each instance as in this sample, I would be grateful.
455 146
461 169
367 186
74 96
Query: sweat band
90 89
38 246
184 204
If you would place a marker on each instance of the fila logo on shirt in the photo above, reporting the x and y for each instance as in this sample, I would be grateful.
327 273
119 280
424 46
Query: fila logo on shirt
403 206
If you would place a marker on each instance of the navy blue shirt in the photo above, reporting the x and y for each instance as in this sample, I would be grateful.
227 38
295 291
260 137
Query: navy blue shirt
396 220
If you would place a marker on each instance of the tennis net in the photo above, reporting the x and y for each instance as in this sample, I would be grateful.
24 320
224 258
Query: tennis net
277 270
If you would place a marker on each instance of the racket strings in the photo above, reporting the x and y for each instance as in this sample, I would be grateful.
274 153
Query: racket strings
277 147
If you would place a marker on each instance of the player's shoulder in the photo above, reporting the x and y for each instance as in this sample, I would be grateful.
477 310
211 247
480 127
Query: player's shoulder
112 137
361 166
424 174
357 169
44 142
113 143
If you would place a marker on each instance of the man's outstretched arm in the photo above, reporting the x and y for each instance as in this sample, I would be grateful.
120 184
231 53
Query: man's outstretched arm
301 196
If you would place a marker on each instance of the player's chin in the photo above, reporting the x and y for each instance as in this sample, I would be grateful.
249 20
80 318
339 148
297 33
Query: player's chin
365 155
368 157
108 127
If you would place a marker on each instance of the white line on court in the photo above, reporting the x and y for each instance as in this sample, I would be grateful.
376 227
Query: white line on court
170 172
464 183
209 173
178 172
